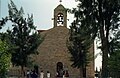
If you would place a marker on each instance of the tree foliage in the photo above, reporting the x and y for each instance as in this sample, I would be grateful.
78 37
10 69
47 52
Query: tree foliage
79 46
23 35
5 56
99 18
114 64
114 56
19 42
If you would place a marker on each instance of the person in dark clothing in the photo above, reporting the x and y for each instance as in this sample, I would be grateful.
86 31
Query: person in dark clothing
66 74
34 74
28 74
31 74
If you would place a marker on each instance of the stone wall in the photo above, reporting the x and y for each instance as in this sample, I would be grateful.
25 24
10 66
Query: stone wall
53 50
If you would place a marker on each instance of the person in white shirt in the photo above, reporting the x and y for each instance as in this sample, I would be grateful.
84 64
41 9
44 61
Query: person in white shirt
41 74
28 74
48 74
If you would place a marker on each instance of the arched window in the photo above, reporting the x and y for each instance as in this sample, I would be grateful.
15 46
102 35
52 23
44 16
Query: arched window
60 19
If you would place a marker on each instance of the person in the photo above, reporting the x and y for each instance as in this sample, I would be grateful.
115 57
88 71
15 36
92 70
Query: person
48 74
41 74
66 74
57 74
31 74
63 75
28 74
35 75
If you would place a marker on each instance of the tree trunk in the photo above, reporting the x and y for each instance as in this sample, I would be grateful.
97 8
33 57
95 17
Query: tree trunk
81 72
105 60
84 72
22 72
104 41
105 50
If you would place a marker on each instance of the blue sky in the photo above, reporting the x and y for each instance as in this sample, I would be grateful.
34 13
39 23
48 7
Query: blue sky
42 11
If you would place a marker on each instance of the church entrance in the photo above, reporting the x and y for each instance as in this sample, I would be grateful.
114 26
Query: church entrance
59 69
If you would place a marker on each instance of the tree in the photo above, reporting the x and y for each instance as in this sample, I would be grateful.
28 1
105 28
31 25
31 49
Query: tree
6 48
23 36
2 22
114 64
78 48
99 18
114 56
5 56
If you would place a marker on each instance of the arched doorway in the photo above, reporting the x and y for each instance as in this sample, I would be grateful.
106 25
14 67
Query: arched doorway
59 69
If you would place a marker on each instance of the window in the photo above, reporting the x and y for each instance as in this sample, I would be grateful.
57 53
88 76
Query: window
60 19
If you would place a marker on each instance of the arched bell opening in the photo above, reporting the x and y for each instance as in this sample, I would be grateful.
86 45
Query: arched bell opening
60 19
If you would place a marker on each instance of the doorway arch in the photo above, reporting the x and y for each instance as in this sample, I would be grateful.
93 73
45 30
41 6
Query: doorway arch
59 69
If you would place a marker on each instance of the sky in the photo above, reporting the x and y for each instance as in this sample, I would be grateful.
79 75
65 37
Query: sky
42 11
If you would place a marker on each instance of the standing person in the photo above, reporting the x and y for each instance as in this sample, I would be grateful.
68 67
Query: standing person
57 74
48 74
31 74
35 75
66 74
41 74
63 75
28 74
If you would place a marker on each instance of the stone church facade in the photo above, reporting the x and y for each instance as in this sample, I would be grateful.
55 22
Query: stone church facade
53 53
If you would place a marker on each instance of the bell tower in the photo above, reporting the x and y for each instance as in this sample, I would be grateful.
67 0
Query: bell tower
60 16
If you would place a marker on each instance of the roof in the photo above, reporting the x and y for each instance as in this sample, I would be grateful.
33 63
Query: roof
41 30
60 6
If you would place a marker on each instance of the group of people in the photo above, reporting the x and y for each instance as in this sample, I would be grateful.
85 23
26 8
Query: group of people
34 74
62 74
31 74
42 74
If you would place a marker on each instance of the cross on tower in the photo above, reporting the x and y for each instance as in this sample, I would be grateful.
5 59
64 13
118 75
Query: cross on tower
60 1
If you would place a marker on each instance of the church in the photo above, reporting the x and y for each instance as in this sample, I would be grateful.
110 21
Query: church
53 53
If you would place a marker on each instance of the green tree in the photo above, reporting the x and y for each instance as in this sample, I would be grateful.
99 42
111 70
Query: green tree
114 56
2 22
78 48
23 36
99 18
5 58
114 64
